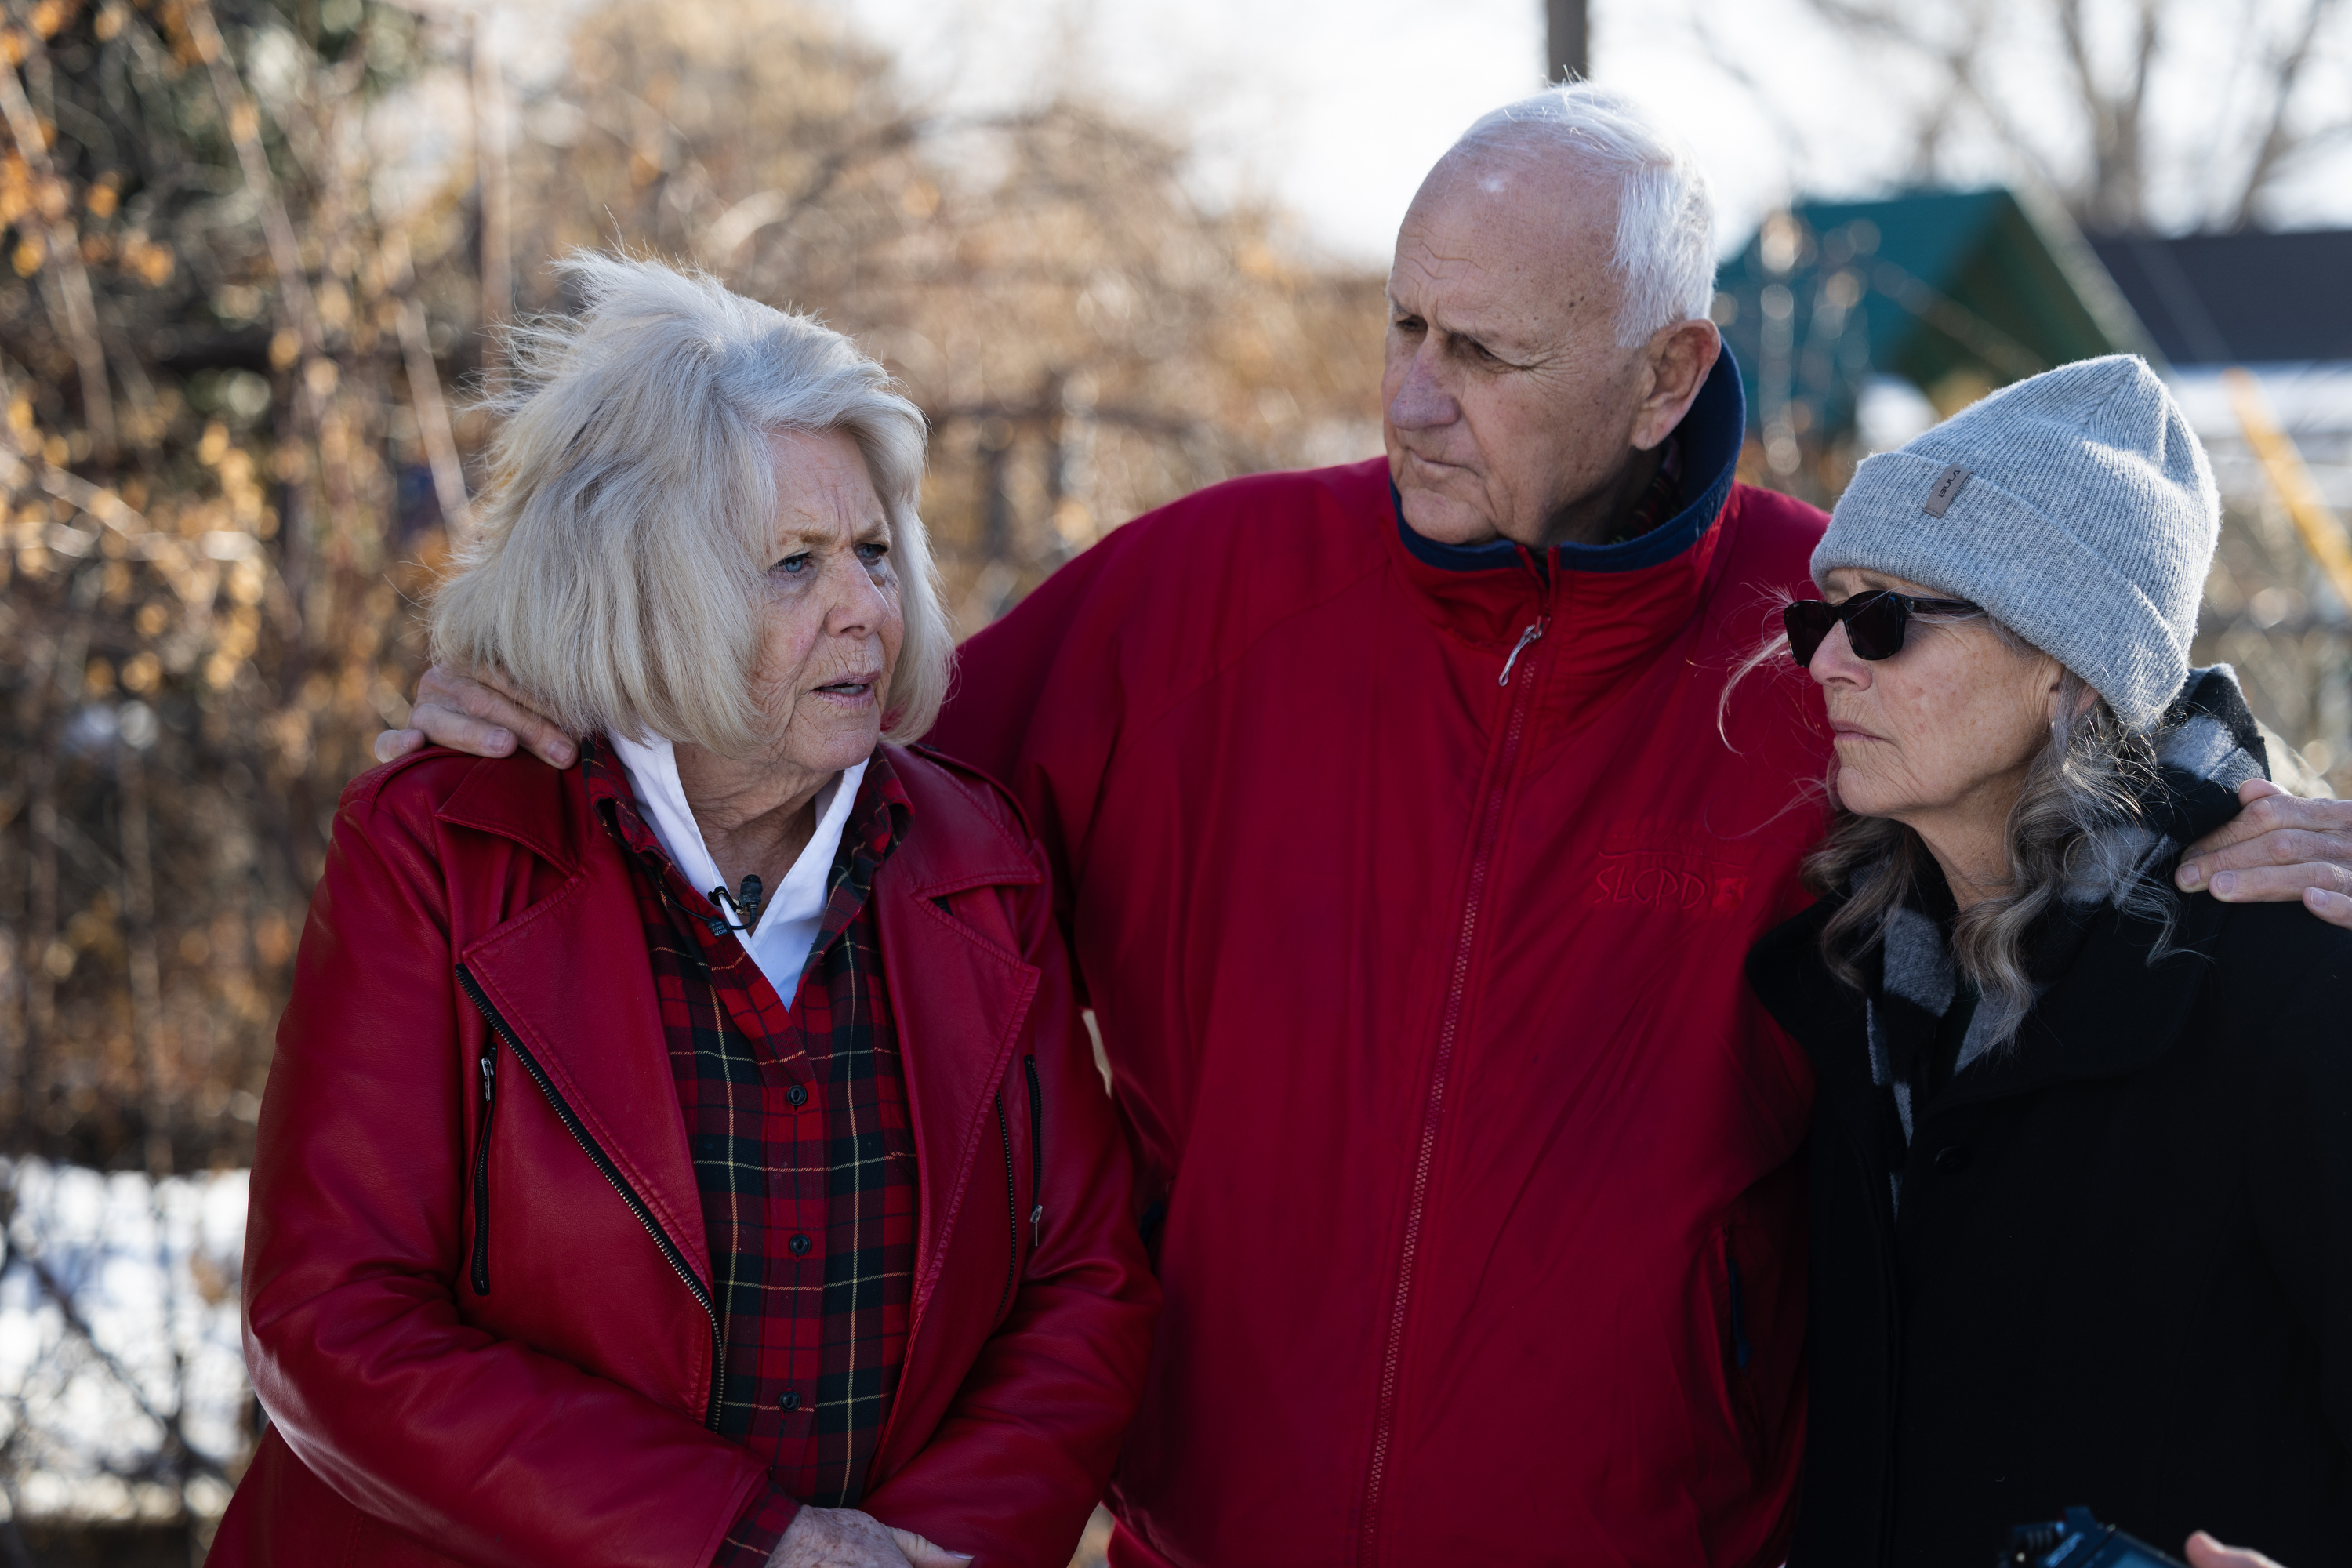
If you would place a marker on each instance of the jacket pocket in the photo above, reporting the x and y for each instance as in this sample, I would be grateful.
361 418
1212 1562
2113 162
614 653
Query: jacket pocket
489 1065
1734 1347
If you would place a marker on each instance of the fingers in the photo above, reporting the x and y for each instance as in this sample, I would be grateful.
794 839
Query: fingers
393 745
2274 833
922 1553
845 1538
461 731
2281 884
2335 909
2204 1552
2262 806
489 710
2249 822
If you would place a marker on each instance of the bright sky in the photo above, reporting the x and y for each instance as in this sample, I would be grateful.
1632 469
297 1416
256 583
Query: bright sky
1336 107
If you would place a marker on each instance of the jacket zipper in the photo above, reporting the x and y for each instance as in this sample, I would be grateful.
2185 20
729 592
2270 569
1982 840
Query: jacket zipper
1036 1153
603 1162
1534 633
1490 819
1012 1207
482 1169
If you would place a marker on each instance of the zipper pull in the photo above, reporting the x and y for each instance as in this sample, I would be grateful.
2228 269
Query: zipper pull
1534 633
489 1076
1037 1227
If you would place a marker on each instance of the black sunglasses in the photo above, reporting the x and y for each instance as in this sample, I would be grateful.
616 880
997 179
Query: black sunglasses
1874 622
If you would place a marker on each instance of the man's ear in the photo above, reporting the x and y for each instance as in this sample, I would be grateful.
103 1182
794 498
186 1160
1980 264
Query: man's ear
1679 357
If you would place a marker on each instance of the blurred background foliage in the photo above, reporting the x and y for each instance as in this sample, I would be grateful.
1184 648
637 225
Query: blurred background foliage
249 263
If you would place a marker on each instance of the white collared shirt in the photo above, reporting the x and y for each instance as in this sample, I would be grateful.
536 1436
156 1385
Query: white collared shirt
790 912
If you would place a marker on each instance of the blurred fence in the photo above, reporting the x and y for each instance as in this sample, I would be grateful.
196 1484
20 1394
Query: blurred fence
122 1389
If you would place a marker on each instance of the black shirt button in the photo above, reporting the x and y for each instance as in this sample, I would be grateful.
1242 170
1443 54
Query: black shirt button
796 1095
1953 1160
801 1245
788 1400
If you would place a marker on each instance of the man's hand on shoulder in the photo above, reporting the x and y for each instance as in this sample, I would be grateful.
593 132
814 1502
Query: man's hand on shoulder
471 712
2279 847
845 1538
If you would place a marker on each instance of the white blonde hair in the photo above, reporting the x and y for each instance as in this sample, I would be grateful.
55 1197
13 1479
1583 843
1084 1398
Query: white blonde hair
614 579
1665 218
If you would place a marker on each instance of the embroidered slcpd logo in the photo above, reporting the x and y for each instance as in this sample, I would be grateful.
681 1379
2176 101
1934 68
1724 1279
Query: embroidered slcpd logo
1669 866
1948 485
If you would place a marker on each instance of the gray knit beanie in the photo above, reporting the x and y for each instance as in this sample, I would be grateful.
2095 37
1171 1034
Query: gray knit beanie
2077 507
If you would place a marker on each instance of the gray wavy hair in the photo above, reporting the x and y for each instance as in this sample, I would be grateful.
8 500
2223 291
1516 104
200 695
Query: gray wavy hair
1666 218
2076 835
615 578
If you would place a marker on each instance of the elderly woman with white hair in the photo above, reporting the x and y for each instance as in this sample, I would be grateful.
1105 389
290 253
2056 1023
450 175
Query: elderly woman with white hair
2082 1162
694 1157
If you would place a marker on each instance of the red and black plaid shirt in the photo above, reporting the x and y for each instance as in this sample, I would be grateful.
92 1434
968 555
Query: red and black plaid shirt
804 1154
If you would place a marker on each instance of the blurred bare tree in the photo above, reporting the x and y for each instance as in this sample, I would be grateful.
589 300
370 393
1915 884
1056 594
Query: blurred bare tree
206 416
227 456
2141 114
1087 339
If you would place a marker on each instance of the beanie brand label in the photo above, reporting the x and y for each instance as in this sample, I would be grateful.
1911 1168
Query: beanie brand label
1948 485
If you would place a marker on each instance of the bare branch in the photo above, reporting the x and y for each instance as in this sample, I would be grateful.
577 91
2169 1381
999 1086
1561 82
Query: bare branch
491 186
244 120
78 311
2277 142
69 1313
1765 100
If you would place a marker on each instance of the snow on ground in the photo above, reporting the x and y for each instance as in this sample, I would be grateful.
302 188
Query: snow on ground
122 1374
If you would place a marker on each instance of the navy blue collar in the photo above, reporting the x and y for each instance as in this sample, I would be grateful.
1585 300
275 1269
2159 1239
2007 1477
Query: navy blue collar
1711 435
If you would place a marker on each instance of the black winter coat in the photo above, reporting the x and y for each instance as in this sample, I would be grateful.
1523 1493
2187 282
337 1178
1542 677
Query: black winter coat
2122 1273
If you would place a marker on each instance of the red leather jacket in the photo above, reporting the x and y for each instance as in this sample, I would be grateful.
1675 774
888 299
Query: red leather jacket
561 1418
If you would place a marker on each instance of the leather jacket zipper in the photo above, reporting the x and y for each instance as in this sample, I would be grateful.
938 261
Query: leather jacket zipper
1489 830
1036 1152
482 1169
1011 1206
603 1163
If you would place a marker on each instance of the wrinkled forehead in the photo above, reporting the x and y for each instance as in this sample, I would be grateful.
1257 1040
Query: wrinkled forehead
1518 224
823 484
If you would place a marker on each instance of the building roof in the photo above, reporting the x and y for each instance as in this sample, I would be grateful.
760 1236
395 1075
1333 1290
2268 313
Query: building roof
2234 299
1956 292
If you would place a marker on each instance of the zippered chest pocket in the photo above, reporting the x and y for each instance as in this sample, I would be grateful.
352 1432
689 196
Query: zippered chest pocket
488 1064
1036 1152
1033 1221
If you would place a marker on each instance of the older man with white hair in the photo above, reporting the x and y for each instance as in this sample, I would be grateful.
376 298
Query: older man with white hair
1410 869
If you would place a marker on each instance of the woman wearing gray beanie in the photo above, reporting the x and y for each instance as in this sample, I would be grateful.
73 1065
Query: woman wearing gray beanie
2082 1164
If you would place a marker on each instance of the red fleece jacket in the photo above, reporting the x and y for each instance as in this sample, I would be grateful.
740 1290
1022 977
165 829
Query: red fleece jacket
1421 978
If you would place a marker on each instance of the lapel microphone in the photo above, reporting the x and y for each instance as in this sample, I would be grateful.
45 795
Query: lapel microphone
746 905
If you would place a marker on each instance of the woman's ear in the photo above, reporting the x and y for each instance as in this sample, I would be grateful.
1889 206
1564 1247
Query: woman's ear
2086 699
2053 699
